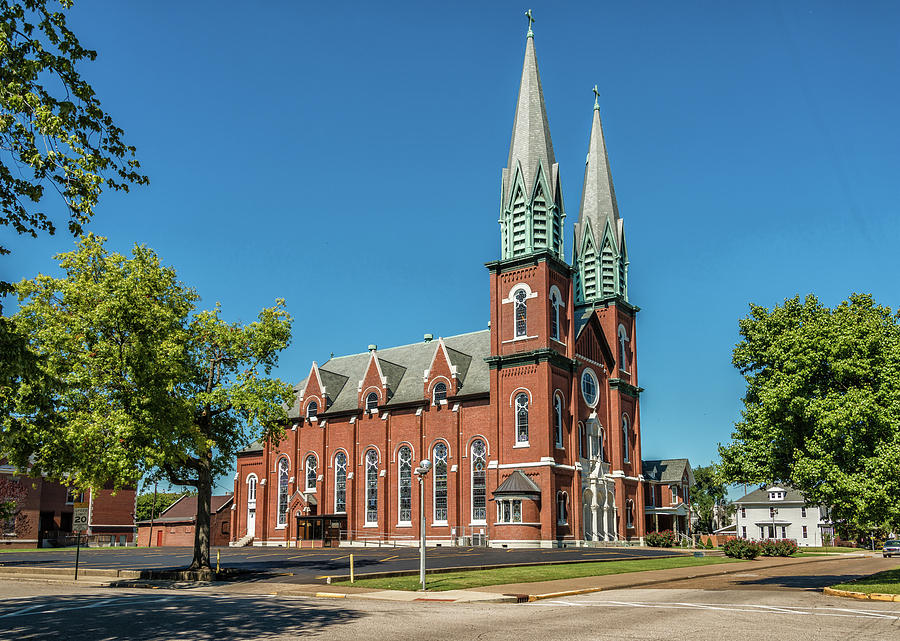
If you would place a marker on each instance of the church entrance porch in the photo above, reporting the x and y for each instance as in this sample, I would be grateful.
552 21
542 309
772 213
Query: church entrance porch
320 530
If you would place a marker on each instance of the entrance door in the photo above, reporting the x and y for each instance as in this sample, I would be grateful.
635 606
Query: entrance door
159 538
251 520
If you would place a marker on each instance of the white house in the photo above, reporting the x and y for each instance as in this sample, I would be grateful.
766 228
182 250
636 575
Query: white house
780 512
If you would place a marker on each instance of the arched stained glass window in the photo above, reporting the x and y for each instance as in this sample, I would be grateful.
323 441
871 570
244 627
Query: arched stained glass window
371 487
371 402
558 420
340 483
521 313
440 392
479 481
554 316
404 462
312 409
440 483
311 473
283 476
251 488
522 418
625 440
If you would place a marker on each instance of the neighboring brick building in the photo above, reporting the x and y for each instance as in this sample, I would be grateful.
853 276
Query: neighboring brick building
533 425
667 495
176 524
46 514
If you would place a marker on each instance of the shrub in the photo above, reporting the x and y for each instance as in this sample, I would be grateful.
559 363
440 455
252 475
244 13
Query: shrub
786 547
767 547
709 544
741 549
664 539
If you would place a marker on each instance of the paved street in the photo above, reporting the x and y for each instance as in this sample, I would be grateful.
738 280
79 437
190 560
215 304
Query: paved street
36 611
293 565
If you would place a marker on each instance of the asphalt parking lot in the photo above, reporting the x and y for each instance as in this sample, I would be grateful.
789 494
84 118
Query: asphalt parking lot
293 565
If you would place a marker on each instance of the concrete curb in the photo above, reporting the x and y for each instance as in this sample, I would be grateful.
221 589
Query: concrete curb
862 596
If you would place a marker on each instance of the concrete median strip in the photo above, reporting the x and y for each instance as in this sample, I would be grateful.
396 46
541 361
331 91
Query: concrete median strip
862 596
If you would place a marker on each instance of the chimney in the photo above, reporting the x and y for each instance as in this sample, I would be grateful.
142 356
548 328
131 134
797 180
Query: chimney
429 338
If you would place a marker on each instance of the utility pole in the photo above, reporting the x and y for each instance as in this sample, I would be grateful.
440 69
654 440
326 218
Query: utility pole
422 472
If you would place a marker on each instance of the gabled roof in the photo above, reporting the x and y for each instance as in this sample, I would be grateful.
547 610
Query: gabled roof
402 366
517 484
184 510
670 470
253 448
761 495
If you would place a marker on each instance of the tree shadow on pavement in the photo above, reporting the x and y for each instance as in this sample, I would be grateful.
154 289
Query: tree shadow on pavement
162 616
803 581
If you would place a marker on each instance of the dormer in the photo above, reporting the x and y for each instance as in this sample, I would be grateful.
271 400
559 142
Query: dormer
776 493
373 388
313 399
441 379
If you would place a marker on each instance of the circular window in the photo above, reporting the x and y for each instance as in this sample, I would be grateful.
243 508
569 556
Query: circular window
589 387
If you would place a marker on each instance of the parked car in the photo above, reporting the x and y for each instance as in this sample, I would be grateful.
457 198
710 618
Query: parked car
890 547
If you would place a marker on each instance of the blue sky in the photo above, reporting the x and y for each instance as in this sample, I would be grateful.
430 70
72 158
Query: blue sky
347 158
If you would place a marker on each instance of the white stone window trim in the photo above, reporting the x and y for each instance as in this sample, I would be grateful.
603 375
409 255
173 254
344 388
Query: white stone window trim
511 297
519 338
521 444
593 375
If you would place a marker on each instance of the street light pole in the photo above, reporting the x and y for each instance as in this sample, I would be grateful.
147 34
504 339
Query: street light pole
421 472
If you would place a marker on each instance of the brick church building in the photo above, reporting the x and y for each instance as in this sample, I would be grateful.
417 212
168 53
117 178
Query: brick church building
532 425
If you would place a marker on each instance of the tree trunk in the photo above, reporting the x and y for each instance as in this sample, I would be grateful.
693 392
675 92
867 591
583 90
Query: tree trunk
201 531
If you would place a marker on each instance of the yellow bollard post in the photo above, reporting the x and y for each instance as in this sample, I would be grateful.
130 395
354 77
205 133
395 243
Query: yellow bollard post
218 553
351 568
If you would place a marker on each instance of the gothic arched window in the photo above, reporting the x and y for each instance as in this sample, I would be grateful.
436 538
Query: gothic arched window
479 481
311 473
404 463
562 508
440 392
251 488
623 349
558 420
440 483
283 476
625 439
312 409
521 313
522 418
340 483
371 402
554 316
371 487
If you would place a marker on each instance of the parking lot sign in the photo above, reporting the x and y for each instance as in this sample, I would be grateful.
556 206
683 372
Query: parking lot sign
80 517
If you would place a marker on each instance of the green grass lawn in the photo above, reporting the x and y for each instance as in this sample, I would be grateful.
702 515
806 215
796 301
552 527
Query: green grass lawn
832 550
528 574
887 582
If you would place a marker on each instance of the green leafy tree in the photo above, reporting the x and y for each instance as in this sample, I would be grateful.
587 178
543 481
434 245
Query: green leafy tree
822 407
708 491
149 504
141 383
54 134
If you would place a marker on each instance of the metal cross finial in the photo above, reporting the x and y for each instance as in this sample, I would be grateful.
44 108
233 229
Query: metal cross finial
530 22
596 98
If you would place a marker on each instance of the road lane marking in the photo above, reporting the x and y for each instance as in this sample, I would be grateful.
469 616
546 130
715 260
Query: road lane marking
390 558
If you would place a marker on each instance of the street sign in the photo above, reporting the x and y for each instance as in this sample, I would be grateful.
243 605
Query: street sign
80 517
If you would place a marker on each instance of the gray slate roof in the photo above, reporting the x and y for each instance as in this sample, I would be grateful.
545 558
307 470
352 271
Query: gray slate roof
517 484
253 448
403 366
530 145
761 495
670 470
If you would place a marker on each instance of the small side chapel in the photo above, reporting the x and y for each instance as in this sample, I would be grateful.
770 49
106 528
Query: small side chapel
532 426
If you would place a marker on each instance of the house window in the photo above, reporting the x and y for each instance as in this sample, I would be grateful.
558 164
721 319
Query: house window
522 418
674 494
625 443
653 495
224 527
509 511
371 402
440 483
629 513
589 387
744 531
743 513
562 508
521 312
283 476
803 512
371 487
554 316
404 462
312 409
479 481
558 420
804 532
440 392
74 496
340 483
251 487
311 470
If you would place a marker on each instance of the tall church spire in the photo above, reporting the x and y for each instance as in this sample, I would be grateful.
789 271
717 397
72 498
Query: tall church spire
600 258
531 211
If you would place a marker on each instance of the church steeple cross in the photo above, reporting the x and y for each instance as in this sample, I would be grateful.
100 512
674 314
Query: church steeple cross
530 22
596 98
